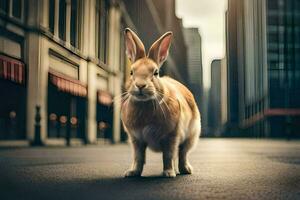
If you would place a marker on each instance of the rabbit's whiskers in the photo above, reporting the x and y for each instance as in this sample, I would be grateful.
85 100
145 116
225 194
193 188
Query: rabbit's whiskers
162 101
160 106
120 96
125 97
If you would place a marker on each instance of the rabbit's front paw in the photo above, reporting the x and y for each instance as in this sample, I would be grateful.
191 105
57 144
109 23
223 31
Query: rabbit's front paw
133 173
170 173
186 169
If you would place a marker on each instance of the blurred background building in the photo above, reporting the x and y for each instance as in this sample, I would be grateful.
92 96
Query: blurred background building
246 54
217 104
68 57
283 33
150 19
194 69
262 52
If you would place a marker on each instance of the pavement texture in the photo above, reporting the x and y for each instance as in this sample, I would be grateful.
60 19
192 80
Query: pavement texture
223 169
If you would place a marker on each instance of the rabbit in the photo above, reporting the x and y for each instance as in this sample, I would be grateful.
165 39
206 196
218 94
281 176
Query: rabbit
157 112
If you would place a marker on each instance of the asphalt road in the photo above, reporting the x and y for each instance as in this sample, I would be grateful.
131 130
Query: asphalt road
223 169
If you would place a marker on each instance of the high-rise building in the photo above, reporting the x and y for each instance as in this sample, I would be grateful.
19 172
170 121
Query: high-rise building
194 55
263 74
194 68
151 19
283 31
246 52
217 106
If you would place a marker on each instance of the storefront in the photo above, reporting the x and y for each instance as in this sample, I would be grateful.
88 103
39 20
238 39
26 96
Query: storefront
104 115
66 107
13 98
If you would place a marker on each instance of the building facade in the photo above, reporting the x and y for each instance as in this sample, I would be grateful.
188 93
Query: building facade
217 116
246 53
283 31
263 55
67 57
152 18
67 70
195 70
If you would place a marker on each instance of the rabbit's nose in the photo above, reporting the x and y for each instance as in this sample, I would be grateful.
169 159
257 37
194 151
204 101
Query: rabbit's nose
140 86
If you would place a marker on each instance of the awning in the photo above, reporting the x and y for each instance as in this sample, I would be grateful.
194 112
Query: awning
67 84
12 69
104 97
282 112
271 112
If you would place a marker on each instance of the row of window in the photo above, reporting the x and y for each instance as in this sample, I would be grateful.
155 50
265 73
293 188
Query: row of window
68 14
283 4
283 30
255 108
101 23
12 8
74 22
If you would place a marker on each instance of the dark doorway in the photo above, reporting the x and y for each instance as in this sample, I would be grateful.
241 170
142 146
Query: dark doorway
12 110
104 117
66 114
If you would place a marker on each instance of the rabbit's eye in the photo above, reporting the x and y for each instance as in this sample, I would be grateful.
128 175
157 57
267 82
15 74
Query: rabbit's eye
155 73
131 73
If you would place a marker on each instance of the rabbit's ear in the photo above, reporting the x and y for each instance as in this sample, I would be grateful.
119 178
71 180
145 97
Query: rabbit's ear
134 47
160 49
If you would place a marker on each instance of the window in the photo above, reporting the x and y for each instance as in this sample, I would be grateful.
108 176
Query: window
124 63
102 8
4 5
62 19
13 8
75 23
17 9
51 15
68 15
272 5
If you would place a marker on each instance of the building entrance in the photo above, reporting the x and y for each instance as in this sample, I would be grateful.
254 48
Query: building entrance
66 110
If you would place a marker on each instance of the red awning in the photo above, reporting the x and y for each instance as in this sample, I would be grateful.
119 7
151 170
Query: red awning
104 97
67 84
12 69
271 112
282 112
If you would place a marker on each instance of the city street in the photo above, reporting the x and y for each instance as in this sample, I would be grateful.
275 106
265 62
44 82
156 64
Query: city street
223 169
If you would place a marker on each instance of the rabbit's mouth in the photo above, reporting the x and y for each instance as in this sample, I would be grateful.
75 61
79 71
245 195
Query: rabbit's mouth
142 96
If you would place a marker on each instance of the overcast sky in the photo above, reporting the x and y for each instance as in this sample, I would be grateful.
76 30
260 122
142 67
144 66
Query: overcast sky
209 17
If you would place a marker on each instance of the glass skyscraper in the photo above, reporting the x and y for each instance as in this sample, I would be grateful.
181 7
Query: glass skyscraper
283 33
263 54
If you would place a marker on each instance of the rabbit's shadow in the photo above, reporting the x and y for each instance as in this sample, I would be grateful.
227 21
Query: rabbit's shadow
141 179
